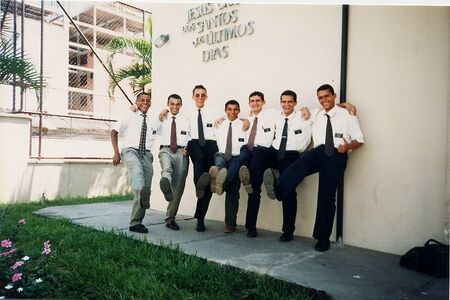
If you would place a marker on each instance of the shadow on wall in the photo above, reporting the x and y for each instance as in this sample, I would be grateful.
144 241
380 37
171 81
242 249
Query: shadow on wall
69 179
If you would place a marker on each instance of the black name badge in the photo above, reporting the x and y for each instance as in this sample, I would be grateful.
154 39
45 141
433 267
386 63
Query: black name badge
266 129
241 140
208 124
339 135
154 131
298 131
183 132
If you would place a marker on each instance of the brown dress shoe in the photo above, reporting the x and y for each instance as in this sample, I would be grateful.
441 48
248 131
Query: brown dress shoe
229 229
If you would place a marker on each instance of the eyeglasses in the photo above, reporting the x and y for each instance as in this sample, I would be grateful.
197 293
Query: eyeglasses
199 95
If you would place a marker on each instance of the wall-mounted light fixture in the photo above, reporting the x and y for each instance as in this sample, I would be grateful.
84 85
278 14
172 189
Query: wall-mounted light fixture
161 40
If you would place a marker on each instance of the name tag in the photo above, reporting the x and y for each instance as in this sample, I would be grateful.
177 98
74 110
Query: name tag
241 140
338 135
266 129
183 132
298 131
154 131
209 124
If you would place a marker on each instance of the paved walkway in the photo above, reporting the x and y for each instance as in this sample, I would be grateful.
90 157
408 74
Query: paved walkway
344 272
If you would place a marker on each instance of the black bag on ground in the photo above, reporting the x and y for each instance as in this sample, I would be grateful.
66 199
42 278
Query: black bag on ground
431 259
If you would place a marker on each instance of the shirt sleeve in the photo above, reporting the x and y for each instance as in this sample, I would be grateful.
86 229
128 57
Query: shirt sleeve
355 130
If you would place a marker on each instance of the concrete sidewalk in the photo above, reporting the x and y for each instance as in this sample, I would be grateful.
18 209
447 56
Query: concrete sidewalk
343 272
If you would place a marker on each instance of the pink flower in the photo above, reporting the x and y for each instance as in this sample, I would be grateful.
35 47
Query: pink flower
22 221
16 277
6 243
47 249
17 264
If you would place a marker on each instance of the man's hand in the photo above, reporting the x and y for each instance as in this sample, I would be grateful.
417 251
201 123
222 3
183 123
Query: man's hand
185 151
306 114
343 148
245 124
218 122
163 114
349 107
133 108
116 159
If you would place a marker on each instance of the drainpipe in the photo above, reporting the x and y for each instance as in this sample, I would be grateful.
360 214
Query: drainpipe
343 95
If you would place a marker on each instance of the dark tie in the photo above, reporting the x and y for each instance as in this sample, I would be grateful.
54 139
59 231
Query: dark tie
201 134
143 135
228 146
329 144
173 136
251 138
282 150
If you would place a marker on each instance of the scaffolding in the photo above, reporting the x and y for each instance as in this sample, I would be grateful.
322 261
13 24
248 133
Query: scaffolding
72 117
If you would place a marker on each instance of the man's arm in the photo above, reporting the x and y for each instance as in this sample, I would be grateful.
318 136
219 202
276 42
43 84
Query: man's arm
345 147
349 107
114 142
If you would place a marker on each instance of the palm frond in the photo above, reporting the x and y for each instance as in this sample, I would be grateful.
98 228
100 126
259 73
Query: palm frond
139 72
24 71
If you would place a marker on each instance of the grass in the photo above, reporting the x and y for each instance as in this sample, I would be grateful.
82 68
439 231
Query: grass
90 264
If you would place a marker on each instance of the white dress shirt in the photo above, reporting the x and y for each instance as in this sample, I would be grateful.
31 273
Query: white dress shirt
345 126
129 128
183 129
299 132
209 115
239 138
265 129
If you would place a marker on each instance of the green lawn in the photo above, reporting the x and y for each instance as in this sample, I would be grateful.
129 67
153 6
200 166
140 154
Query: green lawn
90 264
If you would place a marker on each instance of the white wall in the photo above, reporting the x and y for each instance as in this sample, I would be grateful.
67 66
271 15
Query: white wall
396 190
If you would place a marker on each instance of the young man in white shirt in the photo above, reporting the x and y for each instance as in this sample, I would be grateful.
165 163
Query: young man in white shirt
175 134
231 138
335 132
138 131
202 148
269 140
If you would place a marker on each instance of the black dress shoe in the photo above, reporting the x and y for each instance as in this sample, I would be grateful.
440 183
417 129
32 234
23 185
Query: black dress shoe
200 226
322 246
172 225
286 237
164 185
251 233
139 228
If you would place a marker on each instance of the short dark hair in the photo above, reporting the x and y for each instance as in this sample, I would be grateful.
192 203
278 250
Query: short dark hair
232 102
174 96
325 87
256 93
144 93
289 93
198 86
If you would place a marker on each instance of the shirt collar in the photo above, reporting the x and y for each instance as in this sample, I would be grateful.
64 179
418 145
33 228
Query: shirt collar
331 112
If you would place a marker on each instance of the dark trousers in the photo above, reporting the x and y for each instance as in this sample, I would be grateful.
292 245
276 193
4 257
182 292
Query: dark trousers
202 159
330 169
263 158
231 187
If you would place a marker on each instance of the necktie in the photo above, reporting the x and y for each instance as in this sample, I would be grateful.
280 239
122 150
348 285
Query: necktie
251 138
173 136
228 146
201 134
329 144
143 135
282 150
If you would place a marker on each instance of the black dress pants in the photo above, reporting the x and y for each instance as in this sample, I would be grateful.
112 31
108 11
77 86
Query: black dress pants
202 159
330 169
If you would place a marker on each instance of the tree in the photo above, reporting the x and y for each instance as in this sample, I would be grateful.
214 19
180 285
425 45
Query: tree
139 72
13 69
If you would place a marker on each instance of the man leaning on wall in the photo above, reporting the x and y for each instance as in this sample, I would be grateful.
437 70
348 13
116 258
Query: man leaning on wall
138 131
335 132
